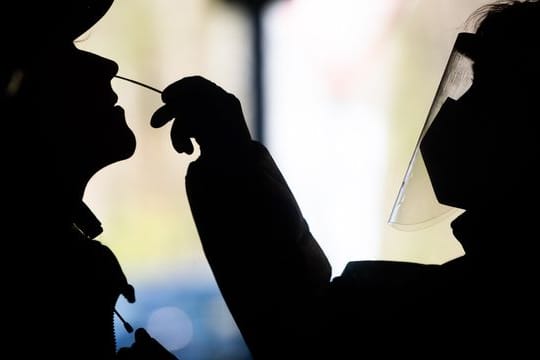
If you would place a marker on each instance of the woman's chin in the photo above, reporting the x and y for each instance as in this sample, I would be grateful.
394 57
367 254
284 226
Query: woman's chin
124 147
124 141
130 145
116 149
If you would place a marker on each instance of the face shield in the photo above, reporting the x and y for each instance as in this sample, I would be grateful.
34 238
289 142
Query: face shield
416 205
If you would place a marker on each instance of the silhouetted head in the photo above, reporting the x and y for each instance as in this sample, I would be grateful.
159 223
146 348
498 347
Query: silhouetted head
57 99
26 25
482 149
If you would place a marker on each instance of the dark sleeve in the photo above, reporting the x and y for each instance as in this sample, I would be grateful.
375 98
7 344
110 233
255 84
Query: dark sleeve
391 308
267 264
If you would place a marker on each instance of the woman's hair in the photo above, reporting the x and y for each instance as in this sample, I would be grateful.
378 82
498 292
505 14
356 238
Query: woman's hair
507 19
507 31
498 11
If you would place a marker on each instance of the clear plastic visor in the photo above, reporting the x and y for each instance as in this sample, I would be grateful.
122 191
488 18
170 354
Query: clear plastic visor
416 206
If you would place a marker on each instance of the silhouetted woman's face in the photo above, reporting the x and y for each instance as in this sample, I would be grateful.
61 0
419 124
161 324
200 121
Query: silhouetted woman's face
78 111
481 149
457 149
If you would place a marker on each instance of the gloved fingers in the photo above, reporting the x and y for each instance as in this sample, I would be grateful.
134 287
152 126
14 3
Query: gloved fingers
162 116
194 97
191 88
203 111
185 115
181 133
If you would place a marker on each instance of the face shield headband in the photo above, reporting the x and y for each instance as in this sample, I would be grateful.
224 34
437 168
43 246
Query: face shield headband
416 206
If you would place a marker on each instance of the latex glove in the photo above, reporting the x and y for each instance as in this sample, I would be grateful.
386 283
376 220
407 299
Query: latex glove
204 111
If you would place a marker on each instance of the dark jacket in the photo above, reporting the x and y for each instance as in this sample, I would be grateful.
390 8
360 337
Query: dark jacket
63 288
276 280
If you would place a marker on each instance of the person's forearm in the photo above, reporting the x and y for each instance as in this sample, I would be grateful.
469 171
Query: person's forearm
264 259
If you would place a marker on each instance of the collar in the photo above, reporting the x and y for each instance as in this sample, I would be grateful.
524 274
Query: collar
86 222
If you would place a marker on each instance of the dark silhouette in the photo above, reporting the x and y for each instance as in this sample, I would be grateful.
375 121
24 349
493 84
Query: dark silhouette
61 126
481 153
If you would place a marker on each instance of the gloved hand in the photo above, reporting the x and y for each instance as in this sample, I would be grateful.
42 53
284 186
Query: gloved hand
145 347
204 111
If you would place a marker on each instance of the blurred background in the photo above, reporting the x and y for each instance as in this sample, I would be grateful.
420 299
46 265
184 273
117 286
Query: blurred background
338 90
